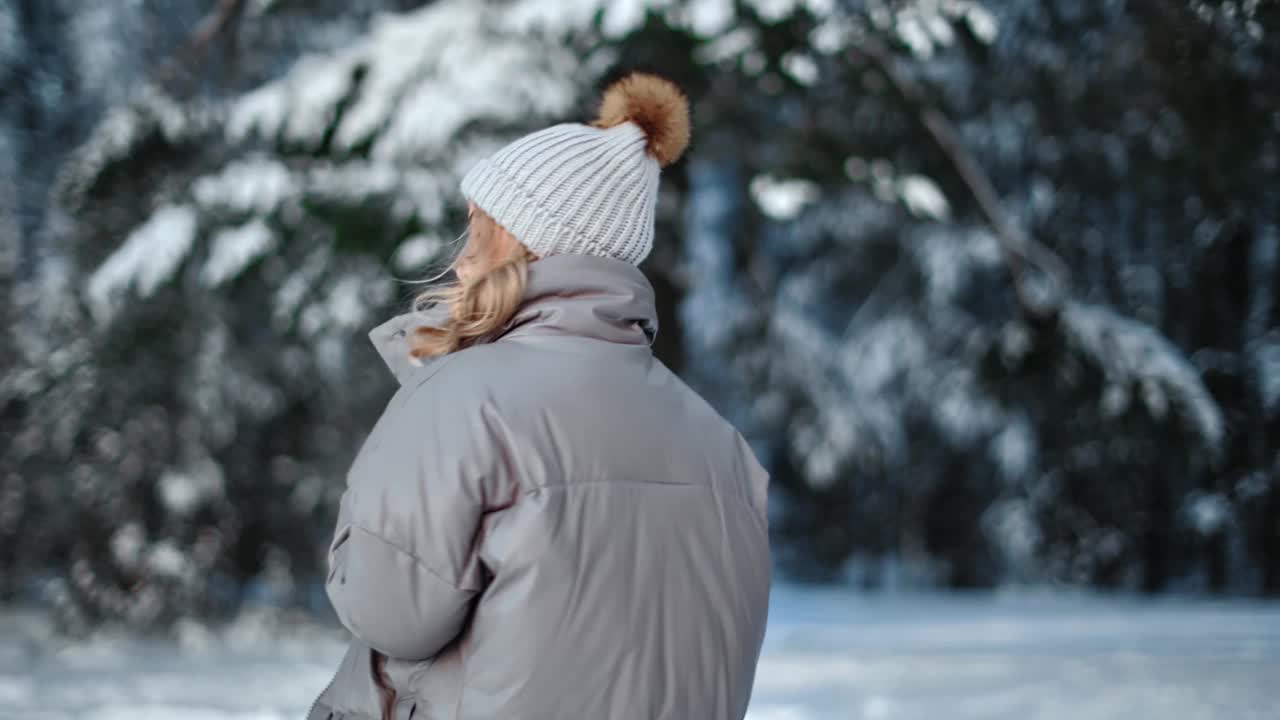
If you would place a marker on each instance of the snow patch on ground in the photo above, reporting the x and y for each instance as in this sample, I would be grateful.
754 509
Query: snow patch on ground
828 654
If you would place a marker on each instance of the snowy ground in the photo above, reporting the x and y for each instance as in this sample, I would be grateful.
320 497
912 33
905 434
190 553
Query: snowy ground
829 654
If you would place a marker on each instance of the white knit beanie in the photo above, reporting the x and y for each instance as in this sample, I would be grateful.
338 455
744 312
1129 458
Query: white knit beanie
588 189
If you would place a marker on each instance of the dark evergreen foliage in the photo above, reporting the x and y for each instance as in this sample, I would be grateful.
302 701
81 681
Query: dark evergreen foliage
992 286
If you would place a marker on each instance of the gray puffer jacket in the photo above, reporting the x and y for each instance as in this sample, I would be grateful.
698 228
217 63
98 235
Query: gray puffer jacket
551 525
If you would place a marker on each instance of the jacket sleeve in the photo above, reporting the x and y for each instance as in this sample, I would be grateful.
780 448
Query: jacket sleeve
403 567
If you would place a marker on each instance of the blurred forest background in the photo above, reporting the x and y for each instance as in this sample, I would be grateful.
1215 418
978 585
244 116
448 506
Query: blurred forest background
991 285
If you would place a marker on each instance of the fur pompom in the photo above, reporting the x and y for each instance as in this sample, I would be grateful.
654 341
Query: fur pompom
656 105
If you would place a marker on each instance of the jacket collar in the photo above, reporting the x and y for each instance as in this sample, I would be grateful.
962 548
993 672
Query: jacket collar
569 295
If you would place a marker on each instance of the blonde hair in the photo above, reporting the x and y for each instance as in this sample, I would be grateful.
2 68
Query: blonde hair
477 307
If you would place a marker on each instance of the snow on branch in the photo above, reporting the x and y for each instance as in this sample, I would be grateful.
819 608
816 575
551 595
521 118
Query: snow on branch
1135 357
411 85
147 259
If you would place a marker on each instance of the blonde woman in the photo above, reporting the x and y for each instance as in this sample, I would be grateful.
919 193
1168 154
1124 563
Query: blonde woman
546 523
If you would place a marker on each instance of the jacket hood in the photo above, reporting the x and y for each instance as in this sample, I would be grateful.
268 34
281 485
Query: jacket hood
576 295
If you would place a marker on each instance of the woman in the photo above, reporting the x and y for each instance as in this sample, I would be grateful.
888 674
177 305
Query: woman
546 523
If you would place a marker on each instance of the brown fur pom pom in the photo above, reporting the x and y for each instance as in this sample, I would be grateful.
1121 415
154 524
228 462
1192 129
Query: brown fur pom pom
656 105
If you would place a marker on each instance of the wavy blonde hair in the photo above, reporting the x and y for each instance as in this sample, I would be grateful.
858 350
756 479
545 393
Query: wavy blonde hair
478 306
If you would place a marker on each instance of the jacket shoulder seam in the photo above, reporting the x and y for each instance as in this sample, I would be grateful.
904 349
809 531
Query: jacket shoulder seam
755 511
431 370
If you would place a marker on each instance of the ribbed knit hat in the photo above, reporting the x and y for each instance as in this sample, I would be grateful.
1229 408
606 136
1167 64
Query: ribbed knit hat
588 189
